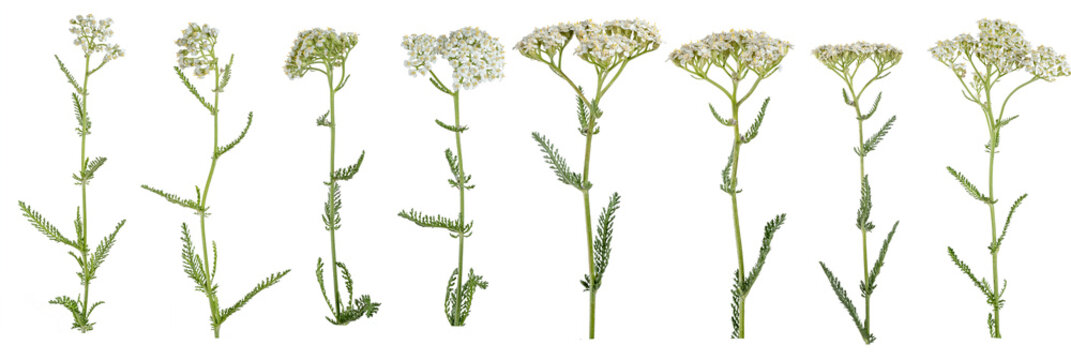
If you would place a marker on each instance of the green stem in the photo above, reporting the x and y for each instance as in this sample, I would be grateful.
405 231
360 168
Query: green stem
862 178
993 229
213 302
736 212
461 212
587 220
84 236
330 199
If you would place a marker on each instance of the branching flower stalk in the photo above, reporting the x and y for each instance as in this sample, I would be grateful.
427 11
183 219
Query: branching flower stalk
845 61
325 52
198 43
91 35
609 47
1000 50
737 54
475 57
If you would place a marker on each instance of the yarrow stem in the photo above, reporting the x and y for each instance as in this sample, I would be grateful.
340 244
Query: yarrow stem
325 51
609 47
845 61
92 36
999 50
737 54
475 58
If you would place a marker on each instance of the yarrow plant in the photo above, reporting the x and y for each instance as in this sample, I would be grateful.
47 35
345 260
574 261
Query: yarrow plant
737 54
609 47
475 57
92 36
1000 50
845 61
325 52
198 43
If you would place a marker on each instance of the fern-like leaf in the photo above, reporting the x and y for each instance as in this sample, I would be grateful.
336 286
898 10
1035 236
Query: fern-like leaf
971 189
175 199
323 120
842 295
437 221
876 269
225 148
873 109
872 143
451 128
266 283
70 78
193 90
41 224
226 79
348 172
981 285
602 243
754 130
80 114
767 238
193 266
332 217
323 290
91 167
995 247
721 120
558 164
101 252
728 184
862 216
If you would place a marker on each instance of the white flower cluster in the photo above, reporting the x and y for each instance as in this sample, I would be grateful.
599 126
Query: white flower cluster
1000 45
840 57
603 44
475 56
749 49
318 46
92 35
198 51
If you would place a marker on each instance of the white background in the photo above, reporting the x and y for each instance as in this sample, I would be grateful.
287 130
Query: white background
666 292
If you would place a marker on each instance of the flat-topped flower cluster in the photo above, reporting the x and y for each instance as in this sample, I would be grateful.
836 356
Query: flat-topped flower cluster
198 51
749 50
1000 47
475 56
92 35
318 46
603 45
842 56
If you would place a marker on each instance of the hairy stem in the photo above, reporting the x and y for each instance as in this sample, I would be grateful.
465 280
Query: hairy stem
862 179
993 230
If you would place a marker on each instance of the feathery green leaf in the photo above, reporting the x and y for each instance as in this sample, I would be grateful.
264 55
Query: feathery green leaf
193 90
754 130
558 164
38 221
225 148
971 189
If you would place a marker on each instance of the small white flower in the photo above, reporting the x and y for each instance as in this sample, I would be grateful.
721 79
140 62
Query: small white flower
603 44
475 56
198 43
1001 46
92 36
750 50
841 57
318 46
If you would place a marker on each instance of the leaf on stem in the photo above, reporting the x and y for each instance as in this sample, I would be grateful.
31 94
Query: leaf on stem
721 120
175 199
754 130
601 247
323 120
70 78
452 128
331 217
995 247
862 218
728 184
193 90
558 164
455 168
226 76
847 302
101 252
193 266
225 148
266 283
872 143
874 271
348 172
41 224
80 114
437 221
971 189
873 109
